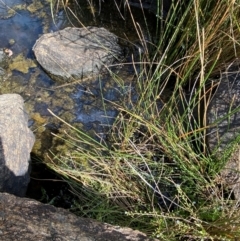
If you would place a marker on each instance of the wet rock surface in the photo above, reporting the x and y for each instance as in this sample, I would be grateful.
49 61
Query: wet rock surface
73 53
226 129
26 219
16 142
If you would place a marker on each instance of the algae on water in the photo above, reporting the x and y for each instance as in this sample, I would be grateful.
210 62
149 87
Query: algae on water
22 64
34 7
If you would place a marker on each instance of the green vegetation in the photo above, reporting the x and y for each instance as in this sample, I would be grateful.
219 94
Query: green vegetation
155 173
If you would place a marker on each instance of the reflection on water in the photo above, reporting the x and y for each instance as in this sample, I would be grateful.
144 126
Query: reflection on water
22 29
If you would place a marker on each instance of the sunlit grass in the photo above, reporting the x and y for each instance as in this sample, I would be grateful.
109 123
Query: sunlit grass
155 173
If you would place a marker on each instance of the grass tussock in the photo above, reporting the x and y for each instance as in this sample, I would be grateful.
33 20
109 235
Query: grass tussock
155 173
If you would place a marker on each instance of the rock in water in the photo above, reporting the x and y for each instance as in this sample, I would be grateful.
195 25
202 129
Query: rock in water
16 141
73 53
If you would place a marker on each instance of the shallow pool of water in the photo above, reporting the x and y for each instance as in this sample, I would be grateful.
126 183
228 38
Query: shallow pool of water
88 105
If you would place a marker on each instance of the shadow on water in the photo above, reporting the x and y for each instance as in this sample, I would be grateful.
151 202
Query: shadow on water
11 183
47 187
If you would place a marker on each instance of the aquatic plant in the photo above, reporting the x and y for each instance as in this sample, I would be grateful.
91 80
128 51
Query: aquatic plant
155 173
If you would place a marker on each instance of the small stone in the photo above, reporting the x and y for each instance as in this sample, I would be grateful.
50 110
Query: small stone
11 41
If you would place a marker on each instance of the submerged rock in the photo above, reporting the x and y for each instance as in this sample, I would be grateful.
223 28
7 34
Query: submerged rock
16 141
225 129
73 53
26 219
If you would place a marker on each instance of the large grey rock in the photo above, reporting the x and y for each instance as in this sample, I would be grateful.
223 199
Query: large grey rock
24 219
16 141
73 53
225 129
